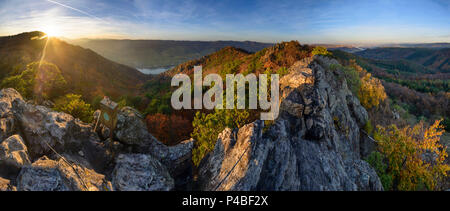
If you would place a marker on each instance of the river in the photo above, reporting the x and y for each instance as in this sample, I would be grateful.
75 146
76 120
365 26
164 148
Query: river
153 71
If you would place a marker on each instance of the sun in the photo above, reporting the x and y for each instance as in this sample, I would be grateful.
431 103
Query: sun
52 31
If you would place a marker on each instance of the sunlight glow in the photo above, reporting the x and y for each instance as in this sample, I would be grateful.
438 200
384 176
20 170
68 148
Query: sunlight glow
52 30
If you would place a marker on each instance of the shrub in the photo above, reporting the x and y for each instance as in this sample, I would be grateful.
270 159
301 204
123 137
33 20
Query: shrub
369 90
376 160
231 67
282 71
353 80
132 101
75 106
38 81
414 155
208 126
319 50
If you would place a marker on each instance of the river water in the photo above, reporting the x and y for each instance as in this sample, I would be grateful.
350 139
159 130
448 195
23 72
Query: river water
153 71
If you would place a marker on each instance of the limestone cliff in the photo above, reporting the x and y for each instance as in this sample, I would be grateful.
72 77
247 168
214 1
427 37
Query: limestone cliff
313 145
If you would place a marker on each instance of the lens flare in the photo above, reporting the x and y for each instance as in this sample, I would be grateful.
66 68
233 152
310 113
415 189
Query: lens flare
51 31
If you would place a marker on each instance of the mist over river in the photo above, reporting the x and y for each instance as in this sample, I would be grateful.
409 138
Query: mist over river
153 71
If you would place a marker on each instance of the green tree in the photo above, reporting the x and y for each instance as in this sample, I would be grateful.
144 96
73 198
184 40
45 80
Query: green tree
75 106
39 81
208 126
319 50
376 160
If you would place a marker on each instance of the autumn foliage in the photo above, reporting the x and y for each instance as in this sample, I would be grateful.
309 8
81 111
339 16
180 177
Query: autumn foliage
414 156
169 129
371 91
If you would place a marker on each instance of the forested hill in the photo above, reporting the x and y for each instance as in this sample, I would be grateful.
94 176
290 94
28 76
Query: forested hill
160 53
437 59
230 60
86 72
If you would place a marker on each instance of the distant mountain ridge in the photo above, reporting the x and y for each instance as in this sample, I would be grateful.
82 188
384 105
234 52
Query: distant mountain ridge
160 53
438 59
85 71
419 45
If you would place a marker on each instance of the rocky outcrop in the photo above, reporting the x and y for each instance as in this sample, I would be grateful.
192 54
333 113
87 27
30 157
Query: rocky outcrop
69 155
13 155
131 131
50 175
8 99
313 145
249 149
41 127
140 172
44 128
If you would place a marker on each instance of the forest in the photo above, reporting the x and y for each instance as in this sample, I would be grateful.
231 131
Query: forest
408 108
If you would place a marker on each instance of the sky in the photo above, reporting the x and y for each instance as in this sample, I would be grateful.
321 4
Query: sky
308 21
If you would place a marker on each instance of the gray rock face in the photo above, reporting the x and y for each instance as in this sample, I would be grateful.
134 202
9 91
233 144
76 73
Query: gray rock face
8 99
131 130
50 175
41 126
140 172
43 130
130 127
249 149
313 145
13 155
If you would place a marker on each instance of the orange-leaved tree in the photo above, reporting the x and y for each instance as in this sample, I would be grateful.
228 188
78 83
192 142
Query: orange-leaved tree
169 129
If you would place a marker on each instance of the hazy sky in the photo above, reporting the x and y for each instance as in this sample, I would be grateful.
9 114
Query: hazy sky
320 21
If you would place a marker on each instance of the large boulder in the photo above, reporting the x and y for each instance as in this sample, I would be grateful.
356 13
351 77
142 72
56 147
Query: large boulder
44 130
43 127
50 175
13 155
140 172
241 157
130 128
132 131
313 145
9 98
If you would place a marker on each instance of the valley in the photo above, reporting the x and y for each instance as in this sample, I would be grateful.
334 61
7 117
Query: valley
330 99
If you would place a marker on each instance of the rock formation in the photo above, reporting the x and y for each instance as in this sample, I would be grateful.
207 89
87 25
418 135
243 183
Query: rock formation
138 172
41 149
313 145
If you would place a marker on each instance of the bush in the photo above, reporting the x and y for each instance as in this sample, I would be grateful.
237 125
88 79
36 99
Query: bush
208 126
39 81
369 90
132 101
414 156
75 106
353 80
376 160
282 71
319 50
